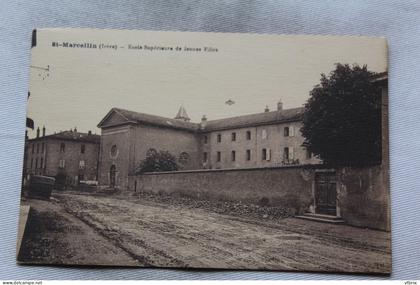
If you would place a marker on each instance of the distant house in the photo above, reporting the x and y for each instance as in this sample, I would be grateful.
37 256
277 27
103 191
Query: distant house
72 154
267 139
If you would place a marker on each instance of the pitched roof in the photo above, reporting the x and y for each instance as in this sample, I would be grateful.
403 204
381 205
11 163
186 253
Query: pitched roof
265 118
134 117
73 136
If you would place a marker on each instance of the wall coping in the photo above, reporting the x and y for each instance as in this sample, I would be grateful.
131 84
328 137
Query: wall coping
307 166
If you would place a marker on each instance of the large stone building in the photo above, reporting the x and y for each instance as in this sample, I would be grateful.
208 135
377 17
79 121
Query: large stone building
71 153
267 139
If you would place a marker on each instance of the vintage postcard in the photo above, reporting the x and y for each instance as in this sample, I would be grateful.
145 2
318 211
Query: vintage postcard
206 150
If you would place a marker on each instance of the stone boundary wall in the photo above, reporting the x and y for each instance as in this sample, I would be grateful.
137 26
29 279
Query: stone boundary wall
364 197
362 193
289 187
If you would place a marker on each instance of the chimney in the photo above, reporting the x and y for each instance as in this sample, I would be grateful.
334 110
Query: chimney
37 132
279 105
266 109
26 135
203 122
75 129
43 131
89 132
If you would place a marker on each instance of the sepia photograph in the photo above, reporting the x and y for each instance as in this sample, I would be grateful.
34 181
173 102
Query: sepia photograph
207 151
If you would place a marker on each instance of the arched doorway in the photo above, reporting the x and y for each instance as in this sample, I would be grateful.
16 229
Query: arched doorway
112 175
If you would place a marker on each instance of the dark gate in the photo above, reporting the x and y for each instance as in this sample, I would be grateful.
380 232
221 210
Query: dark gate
326 193
112 175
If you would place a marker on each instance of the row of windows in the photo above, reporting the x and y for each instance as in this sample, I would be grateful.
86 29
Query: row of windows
41 165
63 148
37 147
265 154
287 132
62 164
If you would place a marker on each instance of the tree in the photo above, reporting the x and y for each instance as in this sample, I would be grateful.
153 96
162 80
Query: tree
342 118
157 161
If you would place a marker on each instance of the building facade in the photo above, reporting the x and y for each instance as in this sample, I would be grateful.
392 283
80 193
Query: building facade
71 154
265 139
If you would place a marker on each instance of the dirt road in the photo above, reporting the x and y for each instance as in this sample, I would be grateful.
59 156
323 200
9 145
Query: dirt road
150 234
53 236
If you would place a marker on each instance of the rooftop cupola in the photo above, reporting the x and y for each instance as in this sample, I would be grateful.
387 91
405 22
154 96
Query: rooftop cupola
266 109
203 121
279 105
182 115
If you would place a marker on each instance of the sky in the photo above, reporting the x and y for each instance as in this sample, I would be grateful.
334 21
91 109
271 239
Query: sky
82 84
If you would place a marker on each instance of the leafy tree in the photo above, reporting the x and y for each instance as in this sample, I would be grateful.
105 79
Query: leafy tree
157 161
342 118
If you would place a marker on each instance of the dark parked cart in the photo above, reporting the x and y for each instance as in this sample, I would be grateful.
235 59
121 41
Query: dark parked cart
40 186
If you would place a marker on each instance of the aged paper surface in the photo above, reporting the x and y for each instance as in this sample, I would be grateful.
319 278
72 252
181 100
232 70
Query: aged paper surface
207 150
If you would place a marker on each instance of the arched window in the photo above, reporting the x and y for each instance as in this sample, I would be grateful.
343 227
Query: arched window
184 158
62 147
114 151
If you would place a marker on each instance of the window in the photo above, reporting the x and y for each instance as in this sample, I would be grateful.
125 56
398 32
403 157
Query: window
43 147
233 137
42 163
62 147
266 154
82 148
37 148
32 163
36 163
219 156
33 148
289 131
62 163
286 154
82 164
264 134
233 155
114 151
205 157
219 138
184 158
248 154
205 139
248 135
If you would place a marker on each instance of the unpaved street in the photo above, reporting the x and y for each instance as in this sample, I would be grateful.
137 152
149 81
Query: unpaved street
146 233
